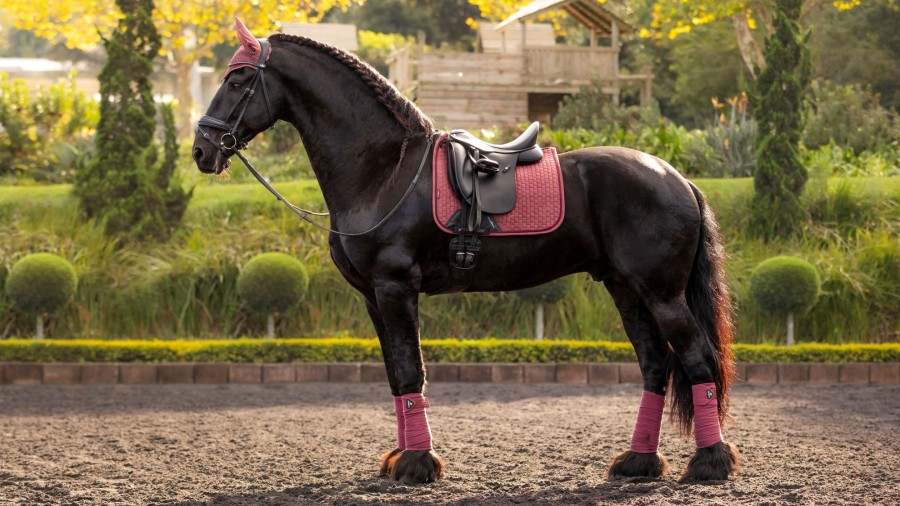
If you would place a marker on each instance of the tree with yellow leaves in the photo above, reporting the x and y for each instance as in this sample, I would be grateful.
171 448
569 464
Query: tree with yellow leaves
672 18
189 28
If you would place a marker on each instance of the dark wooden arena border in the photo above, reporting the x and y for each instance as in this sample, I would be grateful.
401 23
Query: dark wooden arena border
21 373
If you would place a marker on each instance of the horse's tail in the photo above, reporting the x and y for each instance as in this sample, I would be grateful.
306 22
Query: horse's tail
709 302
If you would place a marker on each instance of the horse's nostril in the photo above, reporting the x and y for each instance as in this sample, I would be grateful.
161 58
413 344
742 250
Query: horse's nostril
198 154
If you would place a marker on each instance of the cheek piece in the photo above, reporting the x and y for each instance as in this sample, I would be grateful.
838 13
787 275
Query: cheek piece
418 434
707 431
645 438
401 423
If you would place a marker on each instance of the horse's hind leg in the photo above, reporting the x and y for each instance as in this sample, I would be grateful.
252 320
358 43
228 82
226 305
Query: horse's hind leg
641 458
715 459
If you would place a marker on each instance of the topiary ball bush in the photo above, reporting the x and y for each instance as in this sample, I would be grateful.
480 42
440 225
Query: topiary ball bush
783 285
41 283
547 293
272 282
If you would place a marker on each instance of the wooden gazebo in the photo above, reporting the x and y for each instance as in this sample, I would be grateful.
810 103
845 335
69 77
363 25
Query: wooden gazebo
517 73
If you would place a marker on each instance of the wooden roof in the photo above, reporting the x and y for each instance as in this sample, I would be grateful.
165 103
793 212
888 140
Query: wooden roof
589 13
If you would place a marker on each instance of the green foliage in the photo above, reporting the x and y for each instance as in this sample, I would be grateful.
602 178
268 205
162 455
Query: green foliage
281 138
125 184
722 73
587 120
41 283
780 176
43 134
784 284
443 22
434 350
186 287
375 48
548 293
850 117
833 160
272 283
727 147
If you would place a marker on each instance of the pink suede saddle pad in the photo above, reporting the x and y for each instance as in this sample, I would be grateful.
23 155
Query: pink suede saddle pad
540 203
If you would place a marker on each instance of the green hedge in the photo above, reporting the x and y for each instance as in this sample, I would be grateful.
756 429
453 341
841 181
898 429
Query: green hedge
367 350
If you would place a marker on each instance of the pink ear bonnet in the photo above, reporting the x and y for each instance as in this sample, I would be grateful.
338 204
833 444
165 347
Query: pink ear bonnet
248 53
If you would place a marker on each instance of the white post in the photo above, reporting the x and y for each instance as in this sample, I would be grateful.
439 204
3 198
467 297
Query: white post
40 326
539 321
593 38
271 326
790 329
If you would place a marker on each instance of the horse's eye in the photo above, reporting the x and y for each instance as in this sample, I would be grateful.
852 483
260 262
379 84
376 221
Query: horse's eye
235 86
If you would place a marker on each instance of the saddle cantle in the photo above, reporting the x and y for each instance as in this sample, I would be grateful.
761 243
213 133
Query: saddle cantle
483 174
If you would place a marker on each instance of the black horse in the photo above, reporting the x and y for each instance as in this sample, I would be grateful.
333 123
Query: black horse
631 222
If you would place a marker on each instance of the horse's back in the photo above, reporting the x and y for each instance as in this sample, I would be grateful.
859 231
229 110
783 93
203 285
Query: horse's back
643 211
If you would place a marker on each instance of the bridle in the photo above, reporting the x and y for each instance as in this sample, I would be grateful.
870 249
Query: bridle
229 141
229 144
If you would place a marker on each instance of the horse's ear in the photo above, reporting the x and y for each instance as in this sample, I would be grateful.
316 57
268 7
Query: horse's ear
246 39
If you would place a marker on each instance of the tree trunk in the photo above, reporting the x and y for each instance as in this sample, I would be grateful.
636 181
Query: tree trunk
270 326
750 52
185 108
790 329
40 326
539 322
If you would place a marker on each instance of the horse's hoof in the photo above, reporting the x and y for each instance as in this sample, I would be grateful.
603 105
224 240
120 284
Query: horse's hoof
387 462
417 466
632 464
713 463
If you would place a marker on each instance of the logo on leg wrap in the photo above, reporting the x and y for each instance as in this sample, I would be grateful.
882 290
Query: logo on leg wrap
709 394
423 402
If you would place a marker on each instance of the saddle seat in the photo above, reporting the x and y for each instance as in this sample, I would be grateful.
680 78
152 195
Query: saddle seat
483 174
526 143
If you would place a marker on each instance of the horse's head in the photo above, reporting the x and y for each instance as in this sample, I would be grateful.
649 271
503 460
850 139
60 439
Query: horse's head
243 107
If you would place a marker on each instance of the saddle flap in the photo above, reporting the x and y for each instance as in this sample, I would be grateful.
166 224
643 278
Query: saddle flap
498 191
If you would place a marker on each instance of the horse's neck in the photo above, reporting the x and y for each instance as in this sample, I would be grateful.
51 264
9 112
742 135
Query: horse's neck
354 147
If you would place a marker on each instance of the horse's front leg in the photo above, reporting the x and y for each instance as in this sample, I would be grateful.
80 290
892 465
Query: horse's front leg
389 457
398 304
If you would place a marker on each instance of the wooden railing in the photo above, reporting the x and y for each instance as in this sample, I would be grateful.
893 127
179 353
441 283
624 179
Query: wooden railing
545 65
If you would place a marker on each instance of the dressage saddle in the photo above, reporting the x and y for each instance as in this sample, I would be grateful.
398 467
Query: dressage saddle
484 174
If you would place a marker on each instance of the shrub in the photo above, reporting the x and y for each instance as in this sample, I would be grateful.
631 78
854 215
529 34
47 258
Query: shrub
126 185
42 134
434 350
41 283
850 117
727 147
548 293
272 283
785 286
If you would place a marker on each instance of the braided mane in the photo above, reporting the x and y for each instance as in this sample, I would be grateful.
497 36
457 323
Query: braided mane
403 110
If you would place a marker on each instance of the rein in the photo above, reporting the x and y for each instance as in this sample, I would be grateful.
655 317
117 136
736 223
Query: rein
235 145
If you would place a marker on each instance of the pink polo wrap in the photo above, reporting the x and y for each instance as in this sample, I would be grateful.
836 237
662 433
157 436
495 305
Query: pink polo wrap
645 438
418 433
401 423
707 431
